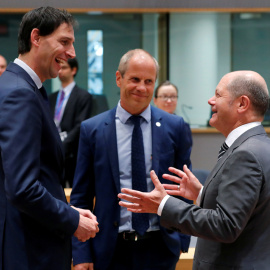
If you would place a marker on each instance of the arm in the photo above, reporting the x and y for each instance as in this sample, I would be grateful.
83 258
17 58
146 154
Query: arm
230 210
82 195
21 135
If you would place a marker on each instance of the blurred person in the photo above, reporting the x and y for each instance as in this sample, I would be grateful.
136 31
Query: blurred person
69 107
117 149
166 96
231 215
3 64
36 222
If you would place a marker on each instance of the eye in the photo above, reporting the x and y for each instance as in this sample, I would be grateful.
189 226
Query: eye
148 81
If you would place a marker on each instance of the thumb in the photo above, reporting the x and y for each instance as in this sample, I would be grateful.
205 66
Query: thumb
155 179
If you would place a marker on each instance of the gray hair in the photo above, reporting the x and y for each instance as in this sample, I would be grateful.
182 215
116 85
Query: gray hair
124 61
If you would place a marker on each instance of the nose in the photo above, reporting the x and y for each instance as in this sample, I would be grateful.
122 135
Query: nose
71 52
212 101
141 87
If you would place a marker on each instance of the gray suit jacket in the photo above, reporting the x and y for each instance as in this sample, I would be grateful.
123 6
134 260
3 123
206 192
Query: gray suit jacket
232 222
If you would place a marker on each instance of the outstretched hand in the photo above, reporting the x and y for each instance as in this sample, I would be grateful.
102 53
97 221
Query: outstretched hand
188 185
143 202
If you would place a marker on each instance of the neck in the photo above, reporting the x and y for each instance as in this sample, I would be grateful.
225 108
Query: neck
65 84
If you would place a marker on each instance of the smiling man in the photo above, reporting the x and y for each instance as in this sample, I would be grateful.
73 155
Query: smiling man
231 216
117 151
36 222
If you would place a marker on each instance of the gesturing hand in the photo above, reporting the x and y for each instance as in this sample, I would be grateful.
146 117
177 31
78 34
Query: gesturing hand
189 187
143 202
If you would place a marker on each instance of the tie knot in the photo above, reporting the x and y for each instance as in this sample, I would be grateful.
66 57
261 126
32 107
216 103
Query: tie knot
135 119
224 147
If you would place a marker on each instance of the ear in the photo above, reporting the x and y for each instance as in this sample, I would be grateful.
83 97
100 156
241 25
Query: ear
118 78
74 71
35 37
244 104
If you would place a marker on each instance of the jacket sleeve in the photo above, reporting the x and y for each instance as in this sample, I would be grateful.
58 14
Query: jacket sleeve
21 132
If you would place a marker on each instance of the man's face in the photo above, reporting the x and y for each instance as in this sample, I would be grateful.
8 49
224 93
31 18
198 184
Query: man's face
137 85
53 50
3 64
66 73
224 108
167 98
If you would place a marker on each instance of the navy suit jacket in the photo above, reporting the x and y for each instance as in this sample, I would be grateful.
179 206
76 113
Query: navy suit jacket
36 222
97 175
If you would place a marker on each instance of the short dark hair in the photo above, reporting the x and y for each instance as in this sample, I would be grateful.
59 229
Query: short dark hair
73 63
165 83
252 88
46 20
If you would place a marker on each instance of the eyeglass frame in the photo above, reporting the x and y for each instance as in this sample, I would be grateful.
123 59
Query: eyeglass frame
166 98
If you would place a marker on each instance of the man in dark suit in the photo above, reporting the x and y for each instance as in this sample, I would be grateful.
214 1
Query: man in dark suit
36 222
105 165
232 216
68 114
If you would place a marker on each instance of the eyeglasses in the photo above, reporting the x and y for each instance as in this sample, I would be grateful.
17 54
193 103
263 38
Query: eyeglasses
165 98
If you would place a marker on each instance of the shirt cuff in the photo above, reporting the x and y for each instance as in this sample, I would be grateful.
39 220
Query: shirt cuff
161 206
198 201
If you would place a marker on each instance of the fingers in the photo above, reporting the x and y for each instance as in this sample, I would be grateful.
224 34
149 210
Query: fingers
155 179
128 198
170 187
171 178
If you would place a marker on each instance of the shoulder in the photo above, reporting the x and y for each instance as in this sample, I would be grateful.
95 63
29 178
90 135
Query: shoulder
100 119
80 91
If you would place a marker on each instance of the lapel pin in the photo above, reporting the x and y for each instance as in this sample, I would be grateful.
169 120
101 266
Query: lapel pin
158 124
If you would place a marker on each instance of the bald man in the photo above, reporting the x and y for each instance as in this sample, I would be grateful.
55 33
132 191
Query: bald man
3 64
231 217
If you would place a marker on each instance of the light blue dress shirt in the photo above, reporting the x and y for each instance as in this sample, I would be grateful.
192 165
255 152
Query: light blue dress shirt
124 129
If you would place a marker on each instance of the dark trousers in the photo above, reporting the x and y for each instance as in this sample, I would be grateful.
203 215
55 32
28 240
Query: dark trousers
145 254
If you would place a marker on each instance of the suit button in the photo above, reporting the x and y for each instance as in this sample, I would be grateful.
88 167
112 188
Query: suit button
115 224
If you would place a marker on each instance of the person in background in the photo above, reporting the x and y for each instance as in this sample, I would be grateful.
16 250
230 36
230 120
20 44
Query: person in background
69 107
166 96
117 149
3 64
36 221
231 215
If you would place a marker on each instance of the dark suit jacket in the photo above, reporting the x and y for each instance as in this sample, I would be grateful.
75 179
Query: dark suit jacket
78 108
233 220
36 222
97 175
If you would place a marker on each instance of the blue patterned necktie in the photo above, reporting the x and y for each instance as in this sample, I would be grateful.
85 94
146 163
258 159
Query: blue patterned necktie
140 222
224 147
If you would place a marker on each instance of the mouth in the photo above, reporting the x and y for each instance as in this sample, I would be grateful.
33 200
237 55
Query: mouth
59 61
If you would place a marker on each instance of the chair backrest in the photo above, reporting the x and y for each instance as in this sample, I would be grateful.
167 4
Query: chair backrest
201 174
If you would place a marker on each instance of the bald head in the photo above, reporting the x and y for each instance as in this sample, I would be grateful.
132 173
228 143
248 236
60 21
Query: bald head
250 84
3 64
124 61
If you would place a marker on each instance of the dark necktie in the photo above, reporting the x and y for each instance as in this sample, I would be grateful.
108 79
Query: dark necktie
140 222
44 95
224 147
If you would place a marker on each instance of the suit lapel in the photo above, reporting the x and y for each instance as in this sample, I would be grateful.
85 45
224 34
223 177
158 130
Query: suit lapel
250 133
157 134
109 133
44 104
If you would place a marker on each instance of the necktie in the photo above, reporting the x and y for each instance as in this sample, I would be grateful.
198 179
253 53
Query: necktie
58 108
44 94
140 222
224 147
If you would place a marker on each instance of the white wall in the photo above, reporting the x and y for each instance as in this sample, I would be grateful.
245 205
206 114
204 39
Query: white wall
200 54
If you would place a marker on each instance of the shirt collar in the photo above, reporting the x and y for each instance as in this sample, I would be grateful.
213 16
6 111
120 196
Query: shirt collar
123 115
69 88
30 71
236 133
